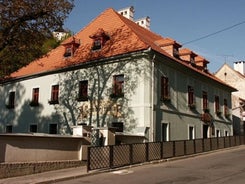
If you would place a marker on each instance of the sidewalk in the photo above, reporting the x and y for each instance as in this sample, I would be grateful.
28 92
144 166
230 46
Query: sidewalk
48 177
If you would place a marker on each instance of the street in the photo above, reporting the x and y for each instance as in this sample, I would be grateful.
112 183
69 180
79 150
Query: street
227 166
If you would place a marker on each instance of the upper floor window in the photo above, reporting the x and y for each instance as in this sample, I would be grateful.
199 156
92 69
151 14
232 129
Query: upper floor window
165 95
83 91
35 97
226 109
54 95
217 105
205 101
11 100
191 98
118 86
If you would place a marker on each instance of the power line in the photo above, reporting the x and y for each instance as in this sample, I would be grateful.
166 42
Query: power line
217 32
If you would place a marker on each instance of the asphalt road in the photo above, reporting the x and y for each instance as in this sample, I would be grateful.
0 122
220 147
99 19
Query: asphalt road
225 166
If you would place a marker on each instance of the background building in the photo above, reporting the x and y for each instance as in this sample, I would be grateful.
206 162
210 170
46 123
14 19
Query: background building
236 78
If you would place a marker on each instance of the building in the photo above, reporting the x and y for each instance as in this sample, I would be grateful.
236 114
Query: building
117 73
236 78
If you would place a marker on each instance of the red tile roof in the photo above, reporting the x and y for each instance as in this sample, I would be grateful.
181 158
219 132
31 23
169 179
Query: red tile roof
125 37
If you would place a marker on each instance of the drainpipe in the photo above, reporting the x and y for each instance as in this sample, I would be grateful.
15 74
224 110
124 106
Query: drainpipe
153 127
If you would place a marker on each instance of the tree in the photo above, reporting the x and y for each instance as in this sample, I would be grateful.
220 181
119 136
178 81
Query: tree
24 27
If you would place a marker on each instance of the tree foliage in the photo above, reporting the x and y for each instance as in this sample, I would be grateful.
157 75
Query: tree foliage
25 25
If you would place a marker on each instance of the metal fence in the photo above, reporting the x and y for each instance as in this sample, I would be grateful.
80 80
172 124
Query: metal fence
108 157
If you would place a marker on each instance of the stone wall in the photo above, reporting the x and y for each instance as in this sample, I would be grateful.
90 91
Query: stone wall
19 169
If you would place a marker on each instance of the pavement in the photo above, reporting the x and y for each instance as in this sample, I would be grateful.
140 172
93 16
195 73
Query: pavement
48 177
72 173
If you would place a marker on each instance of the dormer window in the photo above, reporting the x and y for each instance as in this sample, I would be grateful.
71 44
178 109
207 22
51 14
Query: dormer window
99 39
68 52
70 47
97 45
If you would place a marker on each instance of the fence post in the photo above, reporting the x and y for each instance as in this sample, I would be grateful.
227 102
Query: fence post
131 153
211 145
161 150
203 147
184 147
174 151
194 144
88 161
218 142
111 157
147 151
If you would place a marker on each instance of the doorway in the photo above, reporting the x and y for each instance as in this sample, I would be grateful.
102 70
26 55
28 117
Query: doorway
205 132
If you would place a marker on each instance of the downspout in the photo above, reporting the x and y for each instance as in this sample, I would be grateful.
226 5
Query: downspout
153 127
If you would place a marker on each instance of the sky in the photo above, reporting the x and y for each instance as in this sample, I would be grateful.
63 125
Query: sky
214 29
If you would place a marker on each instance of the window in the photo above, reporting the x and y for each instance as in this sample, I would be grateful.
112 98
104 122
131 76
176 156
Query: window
217 105
217 133
53 128
165 131
35 97
205 101
11 102
99 39
226 109
165 95
118 86
33 128
191 133
9 129
83 91
191 100
118 126
97 44
54 95
68 52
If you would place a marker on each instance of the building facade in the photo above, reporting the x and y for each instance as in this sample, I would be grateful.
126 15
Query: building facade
116 73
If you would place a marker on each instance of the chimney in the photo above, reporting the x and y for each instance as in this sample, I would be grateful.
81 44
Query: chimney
127 12
239 66
144 22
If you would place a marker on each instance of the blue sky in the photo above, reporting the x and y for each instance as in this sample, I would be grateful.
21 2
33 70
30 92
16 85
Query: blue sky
182 20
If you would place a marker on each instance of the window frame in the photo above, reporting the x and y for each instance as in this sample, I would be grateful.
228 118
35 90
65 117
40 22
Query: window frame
54 94
118 86
191 97
205 101
165 90
83 91
217 105
11 100
35 97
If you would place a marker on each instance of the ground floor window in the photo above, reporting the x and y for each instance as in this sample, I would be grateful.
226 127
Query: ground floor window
165 132
118 126
191 132
9 129
33 128
217 133
53 128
